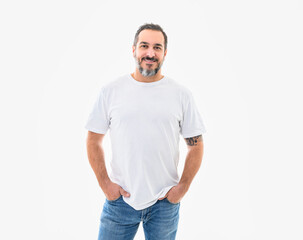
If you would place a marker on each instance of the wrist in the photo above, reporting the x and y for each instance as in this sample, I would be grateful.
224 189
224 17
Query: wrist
184 185
104 183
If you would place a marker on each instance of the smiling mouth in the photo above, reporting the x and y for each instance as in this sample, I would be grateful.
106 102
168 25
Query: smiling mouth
149 61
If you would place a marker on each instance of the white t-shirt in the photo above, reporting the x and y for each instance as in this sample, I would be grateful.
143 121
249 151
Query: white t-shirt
145 121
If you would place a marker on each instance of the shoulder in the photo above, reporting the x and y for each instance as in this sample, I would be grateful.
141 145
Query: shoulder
116 83
183 90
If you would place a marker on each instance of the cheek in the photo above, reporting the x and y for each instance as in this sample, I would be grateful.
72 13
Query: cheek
138 55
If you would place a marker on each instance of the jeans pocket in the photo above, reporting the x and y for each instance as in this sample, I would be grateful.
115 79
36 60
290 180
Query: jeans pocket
171 202
114 199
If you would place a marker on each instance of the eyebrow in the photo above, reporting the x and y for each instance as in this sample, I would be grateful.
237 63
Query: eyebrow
156 44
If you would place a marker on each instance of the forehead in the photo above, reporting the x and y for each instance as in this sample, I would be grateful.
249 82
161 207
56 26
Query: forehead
151 36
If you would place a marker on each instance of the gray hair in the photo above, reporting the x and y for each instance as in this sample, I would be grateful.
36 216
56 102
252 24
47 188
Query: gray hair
150 26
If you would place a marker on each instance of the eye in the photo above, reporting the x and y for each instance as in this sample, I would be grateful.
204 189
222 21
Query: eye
143 46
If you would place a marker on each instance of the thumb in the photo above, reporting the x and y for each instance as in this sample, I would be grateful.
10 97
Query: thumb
124 193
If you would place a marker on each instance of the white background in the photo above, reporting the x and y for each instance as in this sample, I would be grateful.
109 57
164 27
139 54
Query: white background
241 59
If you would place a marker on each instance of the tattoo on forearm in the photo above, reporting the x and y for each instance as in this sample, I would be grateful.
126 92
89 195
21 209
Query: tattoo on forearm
193 141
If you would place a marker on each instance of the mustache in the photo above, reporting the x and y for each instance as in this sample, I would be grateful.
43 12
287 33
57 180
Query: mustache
150 59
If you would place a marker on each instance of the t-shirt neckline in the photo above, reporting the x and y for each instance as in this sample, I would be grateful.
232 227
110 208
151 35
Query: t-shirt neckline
146 84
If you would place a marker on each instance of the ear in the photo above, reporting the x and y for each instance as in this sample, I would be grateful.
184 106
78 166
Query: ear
134 49
165 53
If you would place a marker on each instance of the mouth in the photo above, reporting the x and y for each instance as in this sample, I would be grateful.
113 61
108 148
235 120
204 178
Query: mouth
148 61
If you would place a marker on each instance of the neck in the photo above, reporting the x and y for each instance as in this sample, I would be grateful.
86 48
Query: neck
139 77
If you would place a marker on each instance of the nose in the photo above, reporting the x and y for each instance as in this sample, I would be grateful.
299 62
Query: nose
150 53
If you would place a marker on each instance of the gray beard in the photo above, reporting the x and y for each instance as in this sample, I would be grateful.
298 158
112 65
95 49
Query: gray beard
146 72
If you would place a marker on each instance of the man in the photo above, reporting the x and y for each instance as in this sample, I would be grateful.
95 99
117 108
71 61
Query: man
145 112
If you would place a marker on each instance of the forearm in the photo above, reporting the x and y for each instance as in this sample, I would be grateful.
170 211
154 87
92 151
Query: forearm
192 164
95 155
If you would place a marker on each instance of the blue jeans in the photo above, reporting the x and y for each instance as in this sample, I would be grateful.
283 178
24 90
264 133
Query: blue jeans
119 221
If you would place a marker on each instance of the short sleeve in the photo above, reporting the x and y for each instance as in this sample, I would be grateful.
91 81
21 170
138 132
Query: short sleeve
192 123
98 120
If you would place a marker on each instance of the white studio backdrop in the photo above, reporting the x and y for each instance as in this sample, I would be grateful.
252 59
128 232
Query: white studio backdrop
241 59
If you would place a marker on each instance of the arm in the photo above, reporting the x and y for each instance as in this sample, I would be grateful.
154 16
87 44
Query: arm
191 167
95 155
193 160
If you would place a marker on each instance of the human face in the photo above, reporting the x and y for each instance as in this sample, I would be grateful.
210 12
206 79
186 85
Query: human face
149 52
